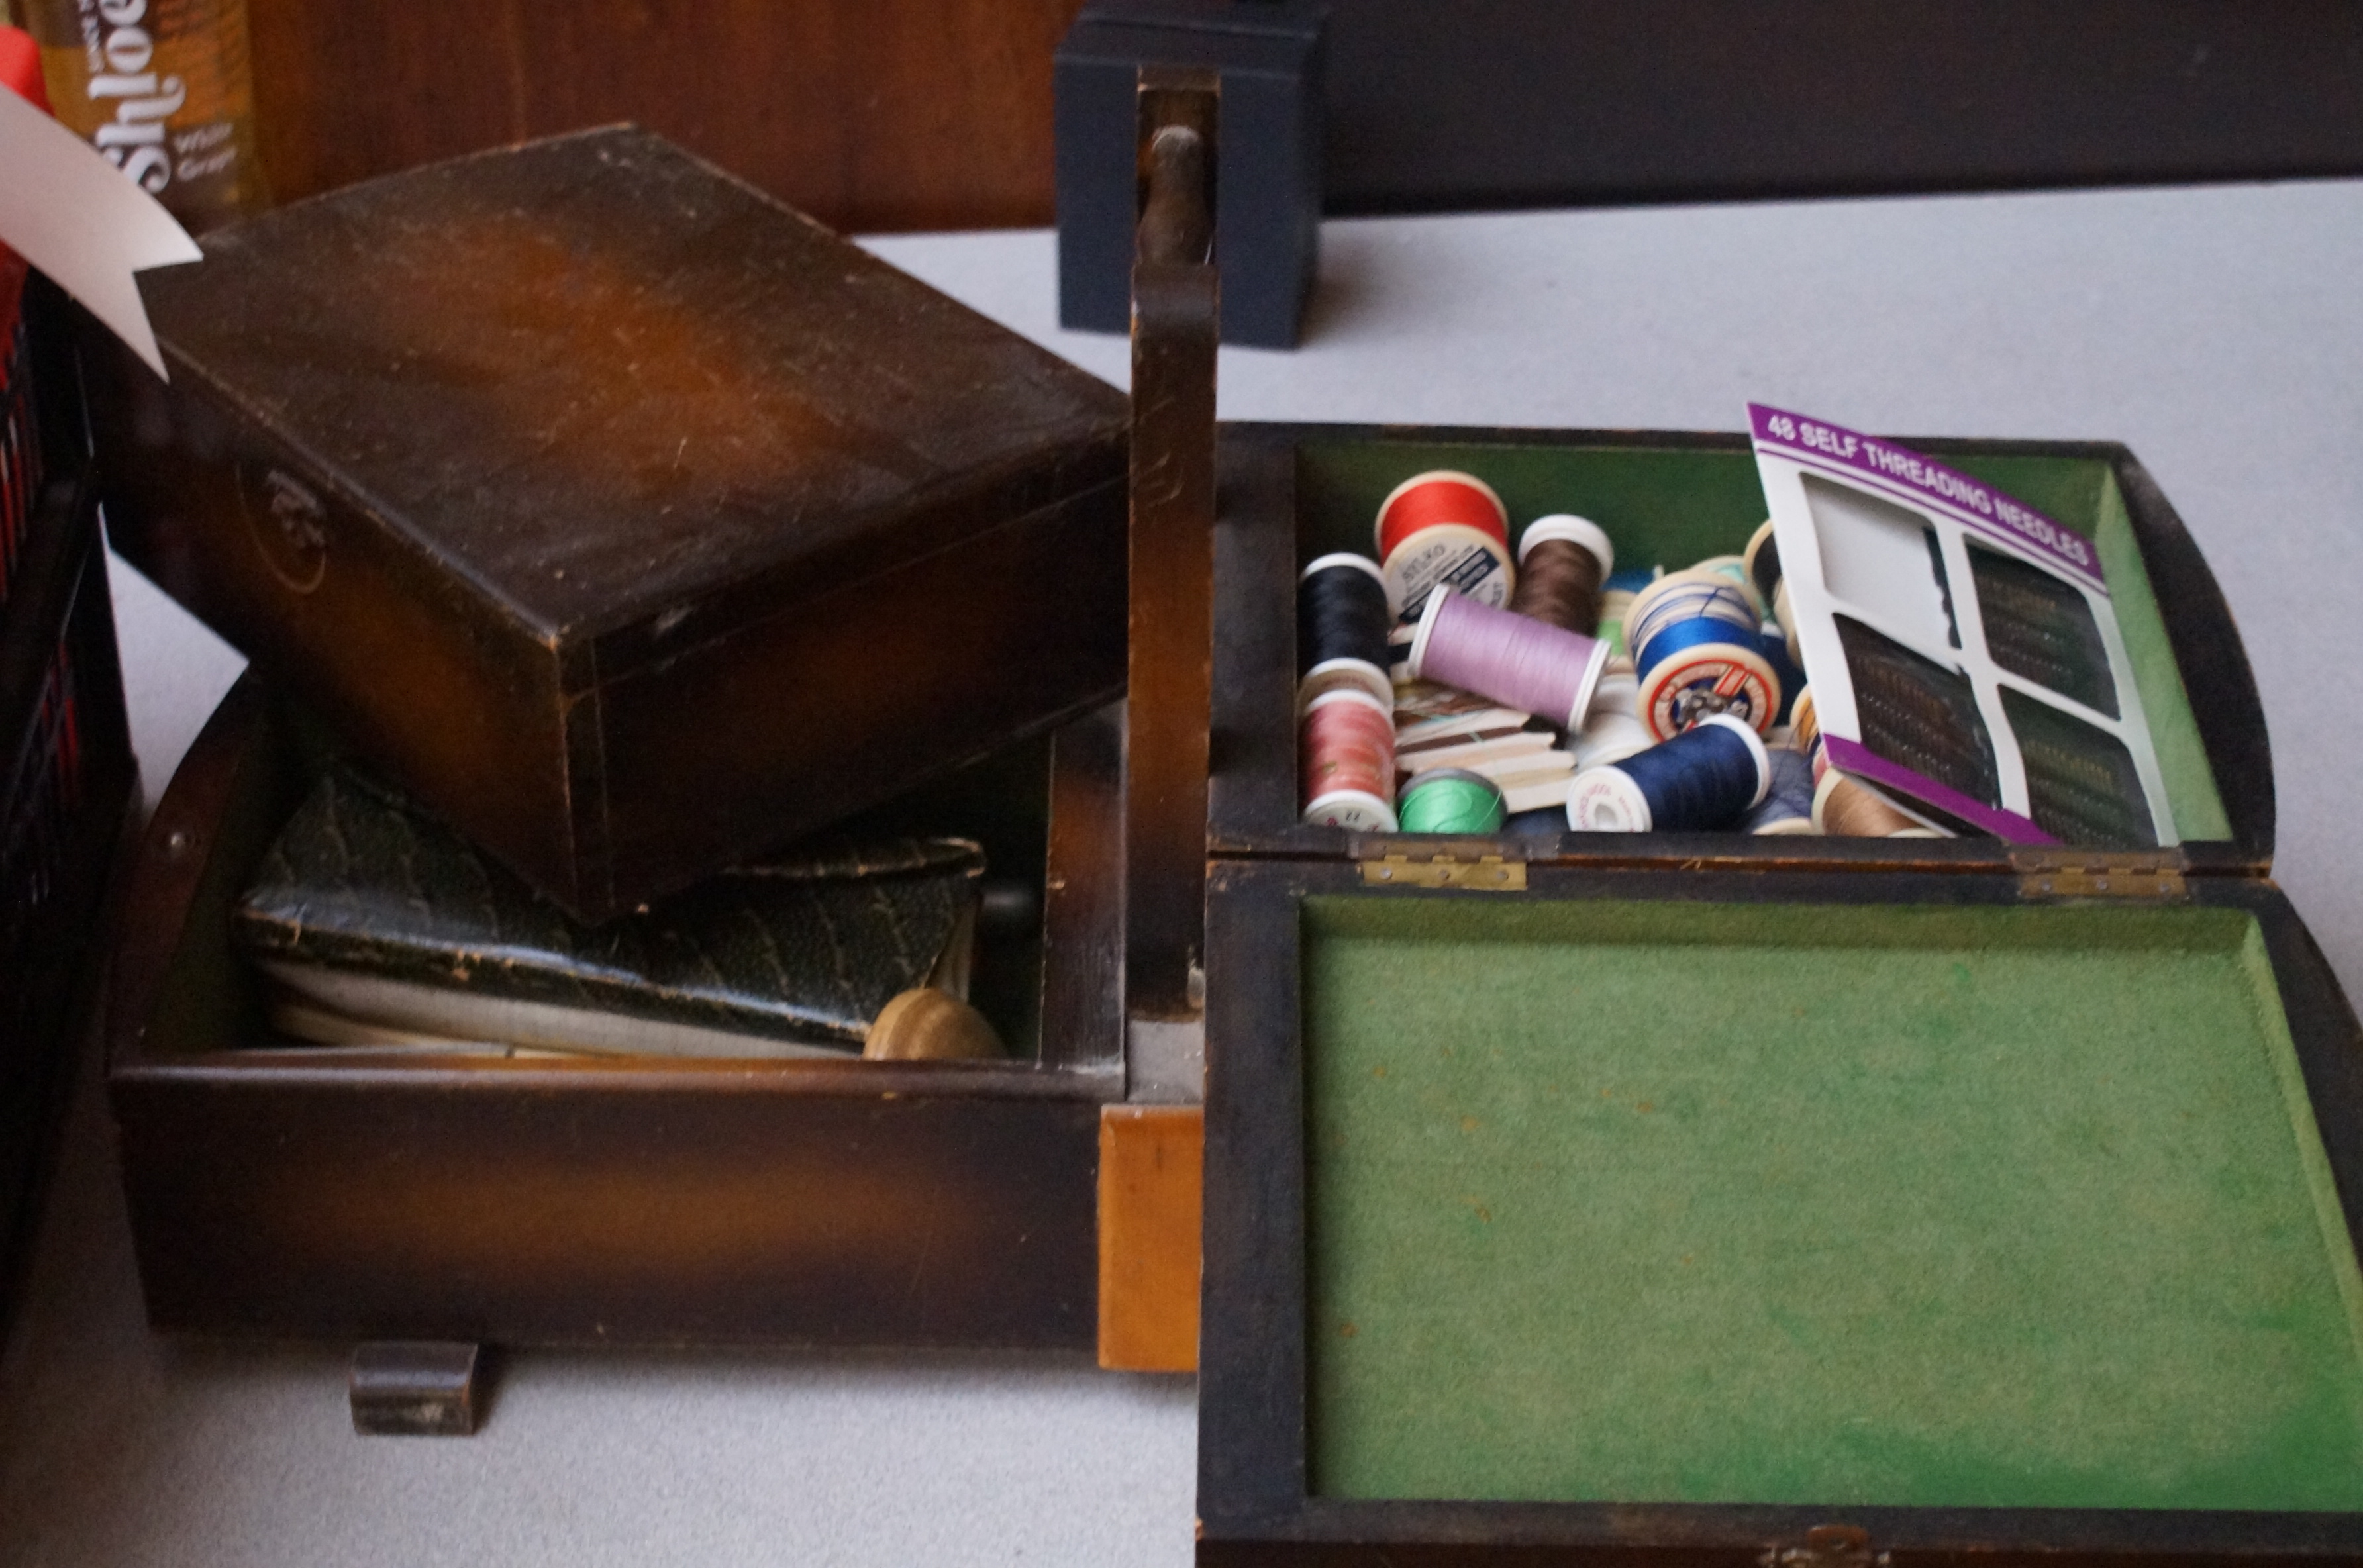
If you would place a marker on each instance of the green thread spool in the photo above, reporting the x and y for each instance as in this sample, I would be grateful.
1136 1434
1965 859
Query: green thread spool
1451 799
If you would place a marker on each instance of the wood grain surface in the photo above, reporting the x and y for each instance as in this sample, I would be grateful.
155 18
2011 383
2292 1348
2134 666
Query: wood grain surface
871 114
1152 1158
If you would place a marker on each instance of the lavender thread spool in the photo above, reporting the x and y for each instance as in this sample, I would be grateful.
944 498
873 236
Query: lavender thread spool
1707 777
1520 663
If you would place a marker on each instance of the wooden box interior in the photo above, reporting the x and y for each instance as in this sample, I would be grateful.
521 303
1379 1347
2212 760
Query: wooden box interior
1758 1201
356 1193
1644 1209
1293 493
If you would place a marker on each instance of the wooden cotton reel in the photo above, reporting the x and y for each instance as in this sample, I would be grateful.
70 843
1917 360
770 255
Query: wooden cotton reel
925 1024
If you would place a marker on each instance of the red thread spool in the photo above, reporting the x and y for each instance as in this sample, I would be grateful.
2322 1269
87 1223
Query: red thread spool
1441 497
1348 756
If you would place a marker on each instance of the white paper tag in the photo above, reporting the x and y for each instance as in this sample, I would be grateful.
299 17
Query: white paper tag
64 208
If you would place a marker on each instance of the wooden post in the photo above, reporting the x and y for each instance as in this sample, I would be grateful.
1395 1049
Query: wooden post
1175 315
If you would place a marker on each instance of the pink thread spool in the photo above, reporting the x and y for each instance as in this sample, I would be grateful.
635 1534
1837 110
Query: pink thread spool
1347 745
1516 660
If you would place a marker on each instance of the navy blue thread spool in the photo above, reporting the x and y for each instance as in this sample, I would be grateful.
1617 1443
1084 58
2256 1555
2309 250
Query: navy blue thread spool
1696 642
1788 803
1707 777
1342 622
1773 644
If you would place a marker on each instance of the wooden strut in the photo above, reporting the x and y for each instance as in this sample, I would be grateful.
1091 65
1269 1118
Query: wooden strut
1175 316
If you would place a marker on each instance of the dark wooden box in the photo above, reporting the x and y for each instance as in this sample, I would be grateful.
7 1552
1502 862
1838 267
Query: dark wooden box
1459 1205
630 518
341 1192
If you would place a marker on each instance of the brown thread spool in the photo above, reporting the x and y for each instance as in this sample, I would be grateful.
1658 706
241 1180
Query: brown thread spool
1844 809
1563 562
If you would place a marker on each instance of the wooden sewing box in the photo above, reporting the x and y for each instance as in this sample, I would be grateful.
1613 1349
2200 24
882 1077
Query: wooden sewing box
1810 1203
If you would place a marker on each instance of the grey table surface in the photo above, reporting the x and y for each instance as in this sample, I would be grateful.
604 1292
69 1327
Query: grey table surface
2218 331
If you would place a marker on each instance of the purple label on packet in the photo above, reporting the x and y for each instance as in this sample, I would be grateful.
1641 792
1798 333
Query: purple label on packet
1853 756
1896 469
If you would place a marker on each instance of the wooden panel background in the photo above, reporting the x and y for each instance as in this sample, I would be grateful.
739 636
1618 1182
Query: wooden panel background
882 115
871 114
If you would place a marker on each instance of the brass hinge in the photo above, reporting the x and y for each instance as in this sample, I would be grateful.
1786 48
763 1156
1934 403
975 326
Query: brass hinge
1481 873
2099 874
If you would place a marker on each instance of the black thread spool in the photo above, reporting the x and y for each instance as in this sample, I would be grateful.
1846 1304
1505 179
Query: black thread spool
1762 562
1342 621
1563 564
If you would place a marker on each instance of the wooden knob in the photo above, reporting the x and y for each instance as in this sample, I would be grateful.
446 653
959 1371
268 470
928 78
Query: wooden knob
929 1025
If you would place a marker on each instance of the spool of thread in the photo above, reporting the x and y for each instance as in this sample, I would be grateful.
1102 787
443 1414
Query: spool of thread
1563 565
1518 662
1844 809
1347 750
929 1025
1763 560
1788 803
1695 641
1342 612
1616 603
1612 730
1343 675
1440 497
1774 646
1787 617
1705 778
1733 570
1449 555
1805 724
1452 799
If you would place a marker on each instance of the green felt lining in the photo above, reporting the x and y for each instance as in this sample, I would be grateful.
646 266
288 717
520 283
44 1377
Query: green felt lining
1672 507
1868 1205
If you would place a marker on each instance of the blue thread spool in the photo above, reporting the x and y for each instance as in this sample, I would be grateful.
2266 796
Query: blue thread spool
1788 803
1734 568
1774 644
1696 640
1707 777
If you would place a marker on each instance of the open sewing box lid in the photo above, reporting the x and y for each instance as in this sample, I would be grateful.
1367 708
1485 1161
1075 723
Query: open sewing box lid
1593 1196
628 516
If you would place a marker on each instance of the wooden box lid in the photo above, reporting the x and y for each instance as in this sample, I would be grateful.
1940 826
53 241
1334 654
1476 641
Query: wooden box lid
602 381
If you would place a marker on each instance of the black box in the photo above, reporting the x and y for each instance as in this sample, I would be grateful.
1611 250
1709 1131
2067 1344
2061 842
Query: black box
1267 172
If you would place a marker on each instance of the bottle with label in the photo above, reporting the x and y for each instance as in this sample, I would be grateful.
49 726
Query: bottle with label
164 89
